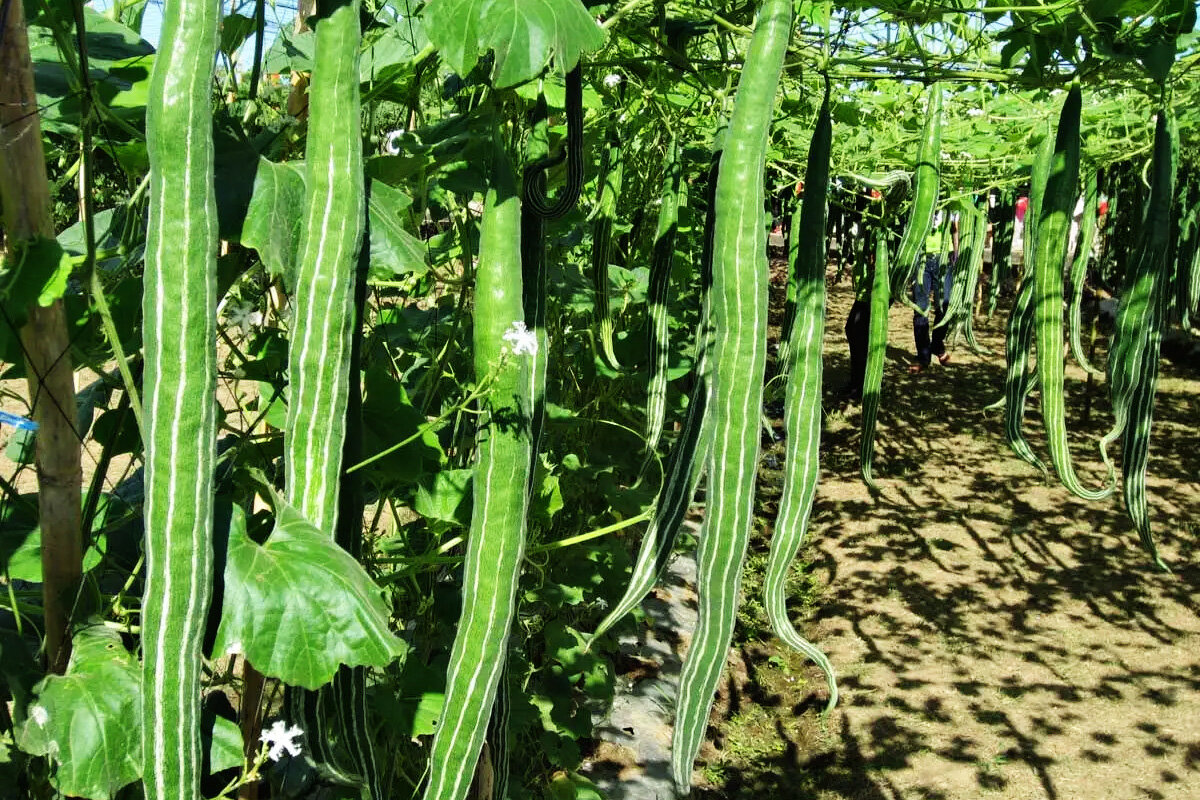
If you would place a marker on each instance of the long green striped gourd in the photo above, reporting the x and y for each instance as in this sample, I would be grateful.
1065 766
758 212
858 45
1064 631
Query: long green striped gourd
806 248
802 402
1083 252
967 246
1054 219
925 196
533 262
1133 355
179 311
661 260
496 540
968 267
686 462
974 272
1018 382
1186 289
323 320
877 331
609 194
323 310
739 313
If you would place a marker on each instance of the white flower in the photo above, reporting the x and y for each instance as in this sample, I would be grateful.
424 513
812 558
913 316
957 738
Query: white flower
521 339
279 738
974 112
243 316
612 80
39 715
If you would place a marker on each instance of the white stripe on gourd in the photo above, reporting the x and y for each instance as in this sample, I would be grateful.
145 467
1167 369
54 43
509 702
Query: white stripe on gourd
179 330
739 313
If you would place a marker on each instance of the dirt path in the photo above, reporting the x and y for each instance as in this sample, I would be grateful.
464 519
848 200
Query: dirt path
994 636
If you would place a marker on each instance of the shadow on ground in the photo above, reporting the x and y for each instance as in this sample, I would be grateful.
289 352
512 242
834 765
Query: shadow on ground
995 636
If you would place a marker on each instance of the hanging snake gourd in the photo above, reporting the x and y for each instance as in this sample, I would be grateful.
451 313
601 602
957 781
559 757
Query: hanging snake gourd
319 354
179 329
1018 382
496 540
1054 215
1133 357
1083 252
662 259
739 313
802 403
877 331
609 189
925 196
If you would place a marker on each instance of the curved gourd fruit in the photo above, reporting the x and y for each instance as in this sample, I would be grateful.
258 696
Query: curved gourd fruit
1083 251
739 314
1133 356
179 310
802 402
807 248
876 351
533 265
602 241
1019 331
1054 218
686 462
534 180
496 540
925 196
323 321
662 258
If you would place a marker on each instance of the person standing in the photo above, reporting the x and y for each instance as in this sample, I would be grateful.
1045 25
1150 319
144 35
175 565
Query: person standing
934 285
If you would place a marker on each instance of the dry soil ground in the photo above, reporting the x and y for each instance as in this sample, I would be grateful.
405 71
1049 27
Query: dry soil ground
995 637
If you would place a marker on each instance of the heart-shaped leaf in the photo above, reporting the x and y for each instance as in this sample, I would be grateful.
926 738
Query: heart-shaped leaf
299 606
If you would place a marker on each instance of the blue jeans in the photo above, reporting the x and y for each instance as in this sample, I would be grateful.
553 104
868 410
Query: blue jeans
922 292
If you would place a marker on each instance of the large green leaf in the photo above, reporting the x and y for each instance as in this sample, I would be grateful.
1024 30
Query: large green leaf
273 228
119 63
394 249
300 606
522 33
446 497
273 224
86 721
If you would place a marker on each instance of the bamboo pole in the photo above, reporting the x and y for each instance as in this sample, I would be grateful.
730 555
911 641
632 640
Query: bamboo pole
25 201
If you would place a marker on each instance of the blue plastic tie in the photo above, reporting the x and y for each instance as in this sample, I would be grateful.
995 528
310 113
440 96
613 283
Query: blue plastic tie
21 423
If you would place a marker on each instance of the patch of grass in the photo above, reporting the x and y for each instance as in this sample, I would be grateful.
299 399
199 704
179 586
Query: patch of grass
802 591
